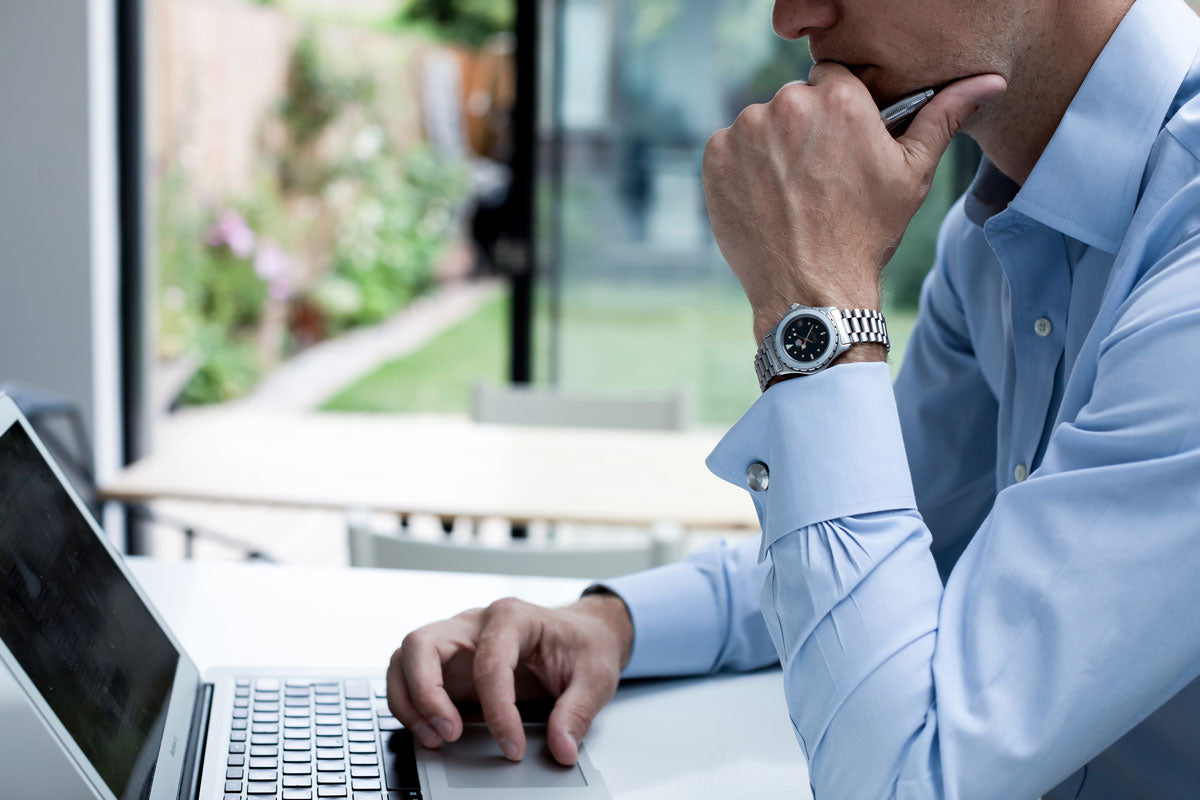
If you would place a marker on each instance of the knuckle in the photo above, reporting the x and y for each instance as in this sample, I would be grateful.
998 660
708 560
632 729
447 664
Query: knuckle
506 607
752 116
841 98
415 640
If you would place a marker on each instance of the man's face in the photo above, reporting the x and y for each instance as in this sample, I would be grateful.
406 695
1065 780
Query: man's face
898 47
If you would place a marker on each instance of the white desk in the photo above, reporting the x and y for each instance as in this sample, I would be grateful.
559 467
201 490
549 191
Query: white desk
721 737
444 466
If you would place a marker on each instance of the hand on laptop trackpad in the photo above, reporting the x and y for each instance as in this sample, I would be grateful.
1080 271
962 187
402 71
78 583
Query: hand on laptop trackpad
475 761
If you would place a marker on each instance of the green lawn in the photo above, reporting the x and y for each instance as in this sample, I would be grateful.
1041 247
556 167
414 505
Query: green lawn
631 339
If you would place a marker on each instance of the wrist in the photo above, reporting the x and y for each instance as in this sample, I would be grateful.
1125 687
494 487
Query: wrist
611 611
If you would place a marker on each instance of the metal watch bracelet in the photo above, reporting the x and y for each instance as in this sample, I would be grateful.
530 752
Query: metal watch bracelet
857 325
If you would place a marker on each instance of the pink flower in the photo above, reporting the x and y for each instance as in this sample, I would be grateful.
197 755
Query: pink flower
274 266
230 230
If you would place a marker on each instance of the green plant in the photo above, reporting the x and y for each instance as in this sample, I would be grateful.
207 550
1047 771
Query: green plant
469 22
387 246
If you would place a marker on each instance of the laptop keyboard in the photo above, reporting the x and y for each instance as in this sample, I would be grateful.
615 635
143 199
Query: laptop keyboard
307 739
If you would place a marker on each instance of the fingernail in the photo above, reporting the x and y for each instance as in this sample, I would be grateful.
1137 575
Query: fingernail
426 734
510 749
443 727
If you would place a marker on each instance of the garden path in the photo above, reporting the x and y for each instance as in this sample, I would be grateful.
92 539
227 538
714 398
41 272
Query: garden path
309 379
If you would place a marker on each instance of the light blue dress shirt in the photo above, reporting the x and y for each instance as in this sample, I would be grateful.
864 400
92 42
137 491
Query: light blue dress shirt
984 582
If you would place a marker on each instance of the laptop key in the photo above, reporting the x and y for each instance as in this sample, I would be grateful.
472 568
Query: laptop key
362 747
361 736
263 787
331 766
331 791
233 774
358 689
233 786
366 785
264 738
329 741
235 761
297 757
297 769
261 775
364 772
297 794
357 725
331 777
237 736
297 780
389 724
363 760
296 744
264 750
297 733
237 748
267 684
330 752
264 763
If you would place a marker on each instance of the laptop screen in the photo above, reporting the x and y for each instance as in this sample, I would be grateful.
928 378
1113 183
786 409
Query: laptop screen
76 626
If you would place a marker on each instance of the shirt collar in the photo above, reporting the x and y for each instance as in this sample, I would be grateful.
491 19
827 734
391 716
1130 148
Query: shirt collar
1087 181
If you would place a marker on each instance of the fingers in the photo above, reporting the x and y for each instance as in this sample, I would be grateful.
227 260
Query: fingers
588 692
401 704
508 634
422 660
931 131
415 680
826 71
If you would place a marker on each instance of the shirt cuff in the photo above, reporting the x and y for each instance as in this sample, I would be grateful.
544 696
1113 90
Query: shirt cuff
675 622
832 446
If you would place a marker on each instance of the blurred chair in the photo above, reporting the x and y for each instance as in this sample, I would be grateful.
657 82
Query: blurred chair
567 550
585 554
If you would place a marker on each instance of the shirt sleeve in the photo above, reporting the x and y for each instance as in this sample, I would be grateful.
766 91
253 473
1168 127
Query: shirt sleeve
698 616
1069 617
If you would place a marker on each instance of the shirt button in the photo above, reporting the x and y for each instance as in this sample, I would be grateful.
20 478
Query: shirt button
1043 327
757 477
1021 473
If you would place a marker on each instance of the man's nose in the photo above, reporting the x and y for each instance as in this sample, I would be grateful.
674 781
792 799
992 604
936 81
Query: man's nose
794 19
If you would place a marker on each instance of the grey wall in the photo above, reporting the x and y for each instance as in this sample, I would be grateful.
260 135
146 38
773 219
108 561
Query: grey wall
58 230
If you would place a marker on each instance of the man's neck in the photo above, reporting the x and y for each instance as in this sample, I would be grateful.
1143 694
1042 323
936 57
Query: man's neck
1015 128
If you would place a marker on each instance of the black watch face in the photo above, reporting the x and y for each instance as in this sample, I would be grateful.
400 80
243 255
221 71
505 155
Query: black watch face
806 339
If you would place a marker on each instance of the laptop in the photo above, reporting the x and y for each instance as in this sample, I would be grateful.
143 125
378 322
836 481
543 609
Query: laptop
126 708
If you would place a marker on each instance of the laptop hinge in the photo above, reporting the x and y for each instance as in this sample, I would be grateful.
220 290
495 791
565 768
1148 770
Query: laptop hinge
193 758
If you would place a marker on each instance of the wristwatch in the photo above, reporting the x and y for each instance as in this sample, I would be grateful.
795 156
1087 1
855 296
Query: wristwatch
808 339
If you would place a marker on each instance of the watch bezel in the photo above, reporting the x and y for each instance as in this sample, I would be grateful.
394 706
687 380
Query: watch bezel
831 352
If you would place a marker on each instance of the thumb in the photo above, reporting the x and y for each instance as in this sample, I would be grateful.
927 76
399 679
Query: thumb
574 711
932 129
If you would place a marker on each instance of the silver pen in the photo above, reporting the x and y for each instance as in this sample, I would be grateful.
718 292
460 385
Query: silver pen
899 113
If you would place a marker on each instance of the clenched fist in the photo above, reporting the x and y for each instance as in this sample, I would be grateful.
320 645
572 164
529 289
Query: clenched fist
809 195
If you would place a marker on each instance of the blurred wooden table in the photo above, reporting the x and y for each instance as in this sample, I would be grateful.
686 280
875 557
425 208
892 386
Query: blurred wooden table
444 466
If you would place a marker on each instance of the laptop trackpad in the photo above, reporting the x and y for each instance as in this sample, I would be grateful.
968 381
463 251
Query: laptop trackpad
475 762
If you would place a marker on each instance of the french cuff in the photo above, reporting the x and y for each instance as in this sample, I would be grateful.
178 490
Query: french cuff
831 445
675 629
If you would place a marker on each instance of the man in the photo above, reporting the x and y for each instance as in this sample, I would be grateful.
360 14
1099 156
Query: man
980 584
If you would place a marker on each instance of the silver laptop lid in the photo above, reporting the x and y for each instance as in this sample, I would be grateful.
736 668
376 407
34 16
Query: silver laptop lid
76 632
